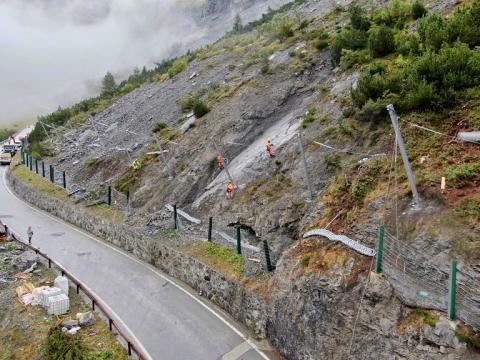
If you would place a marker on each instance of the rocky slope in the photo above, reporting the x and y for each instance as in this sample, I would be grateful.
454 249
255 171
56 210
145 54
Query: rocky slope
268 83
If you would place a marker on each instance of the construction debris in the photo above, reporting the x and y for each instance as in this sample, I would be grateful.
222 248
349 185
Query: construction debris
23 276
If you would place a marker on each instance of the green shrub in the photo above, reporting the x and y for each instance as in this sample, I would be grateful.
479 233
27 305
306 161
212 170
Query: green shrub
350 58
332 161
380 16
358 190
178 66
376 82
348 112
421 96
309 117
200 108
347 38
372 111
418 9
321 44
282 26
462 171
453 67
433 32
59 346
358 19
381 41
465 25
265 68
159 126
407 44
399 12
187 101
394 15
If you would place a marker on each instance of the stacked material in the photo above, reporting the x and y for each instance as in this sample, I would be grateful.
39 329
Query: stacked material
58 304
48 292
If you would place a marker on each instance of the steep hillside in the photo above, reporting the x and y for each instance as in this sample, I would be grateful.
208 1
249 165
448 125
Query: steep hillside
322 72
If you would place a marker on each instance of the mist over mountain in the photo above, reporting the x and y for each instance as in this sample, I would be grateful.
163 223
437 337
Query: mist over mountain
54 52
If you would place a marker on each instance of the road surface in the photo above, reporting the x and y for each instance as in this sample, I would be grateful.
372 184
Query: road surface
168 320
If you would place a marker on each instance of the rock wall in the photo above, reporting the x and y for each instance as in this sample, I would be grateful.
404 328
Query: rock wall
230 295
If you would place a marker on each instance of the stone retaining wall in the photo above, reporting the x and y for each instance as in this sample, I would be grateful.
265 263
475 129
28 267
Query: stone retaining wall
230 295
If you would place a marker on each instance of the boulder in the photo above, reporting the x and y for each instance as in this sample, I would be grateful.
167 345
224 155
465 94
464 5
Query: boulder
68 324
86 319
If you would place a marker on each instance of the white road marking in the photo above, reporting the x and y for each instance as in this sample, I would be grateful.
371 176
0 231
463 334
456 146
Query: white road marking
236 352
216 314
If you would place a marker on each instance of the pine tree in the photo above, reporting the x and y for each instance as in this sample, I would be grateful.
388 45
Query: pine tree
108 85
237 24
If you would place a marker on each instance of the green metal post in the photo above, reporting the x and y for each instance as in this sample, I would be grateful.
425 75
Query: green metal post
109 196
52 174
22 154
267 256
26 160
36 166
239 241
379 255
175 216
43 168
30 163
210 225
64 180
452 290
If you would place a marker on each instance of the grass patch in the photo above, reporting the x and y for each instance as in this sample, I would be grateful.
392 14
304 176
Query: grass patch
470 209
462 171
90 162
426 317
37 181
222 257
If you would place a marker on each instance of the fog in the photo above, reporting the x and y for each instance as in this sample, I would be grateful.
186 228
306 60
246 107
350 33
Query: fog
54 52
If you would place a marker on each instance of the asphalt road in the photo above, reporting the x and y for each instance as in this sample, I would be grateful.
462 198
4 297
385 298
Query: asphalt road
169 321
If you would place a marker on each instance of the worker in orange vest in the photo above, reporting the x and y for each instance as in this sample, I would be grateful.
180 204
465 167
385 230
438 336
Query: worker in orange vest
219 160
230 190
270 148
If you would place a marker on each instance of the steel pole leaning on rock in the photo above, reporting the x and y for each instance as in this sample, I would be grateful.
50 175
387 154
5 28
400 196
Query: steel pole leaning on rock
268 261
239 241
403 152
379 254
210 226
452 290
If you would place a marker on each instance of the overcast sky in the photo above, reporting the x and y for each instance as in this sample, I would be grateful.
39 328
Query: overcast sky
53 52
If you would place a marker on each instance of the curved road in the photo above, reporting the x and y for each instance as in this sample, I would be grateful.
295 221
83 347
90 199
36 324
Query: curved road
169 321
